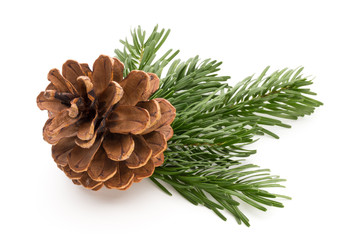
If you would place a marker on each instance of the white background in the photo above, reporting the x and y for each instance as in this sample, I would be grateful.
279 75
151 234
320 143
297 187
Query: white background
319 156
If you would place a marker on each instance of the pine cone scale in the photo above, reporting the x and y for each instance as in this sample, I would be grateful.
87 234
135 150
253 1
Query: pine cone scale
58 123
86 143
86 88
80 158
85 68
153 108
102 74
109 98
122 179
86 130
128 119
167 131
118 146
135 85
61 150
51 104
71 70
145 171
87 182
71 174
154 85
118 69
141 154
168 113
156 141
102 168
158 160
66 132
60 83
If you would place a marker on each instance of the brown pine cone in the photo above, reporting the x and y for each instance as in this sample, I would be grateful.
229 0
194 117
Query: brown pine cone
104 130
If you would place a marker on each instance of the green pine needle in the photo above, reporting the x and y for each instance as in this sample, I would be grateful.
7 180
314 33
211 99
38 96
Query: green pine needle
214 124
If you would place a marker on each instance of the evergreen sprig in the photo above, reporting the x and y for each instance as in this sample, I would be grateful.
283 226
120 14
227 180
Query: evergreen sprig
215 122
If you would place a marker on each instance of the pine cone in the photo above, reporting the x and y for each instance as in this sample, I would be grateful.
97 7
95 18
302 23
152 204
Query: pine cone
103 129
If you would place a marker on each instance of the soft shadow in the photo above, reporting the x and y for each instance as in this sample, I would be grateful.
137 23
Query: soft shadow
137 190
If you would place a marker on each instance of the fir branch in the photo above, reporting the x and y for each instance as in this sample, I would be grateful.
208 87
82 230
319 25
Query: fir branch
140 54
214 124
